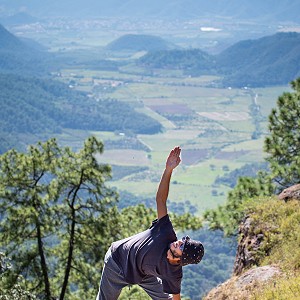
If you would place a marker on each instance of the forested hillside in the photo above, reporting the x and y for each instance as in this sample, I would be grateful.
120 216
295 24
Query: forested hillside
19 57
31 105
193 61
271 60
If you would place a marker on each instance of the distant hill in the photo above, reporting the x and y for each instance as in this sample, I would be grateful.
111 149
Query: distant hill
271 10
140 42
20 56
192 61
269 60
9 42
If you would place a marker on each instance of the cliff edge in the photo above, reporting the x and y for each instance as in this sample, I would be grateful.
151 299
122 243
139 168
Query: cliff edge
267 264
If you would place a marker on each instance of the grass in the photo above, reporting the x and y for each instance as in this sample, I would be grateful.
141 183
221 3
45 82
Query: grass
280 223
249 145
286 288
143 91
163 142
193 183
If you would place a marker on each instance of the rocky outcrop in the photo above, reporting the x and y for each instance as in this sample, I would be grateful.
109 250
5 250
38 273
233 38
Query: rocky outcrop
246 275
239 287
248 245
267 235
292 192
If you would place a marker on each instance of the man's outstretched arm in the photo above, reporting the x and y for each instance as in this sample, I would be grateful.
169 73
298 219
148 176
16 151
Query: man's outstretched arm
172 162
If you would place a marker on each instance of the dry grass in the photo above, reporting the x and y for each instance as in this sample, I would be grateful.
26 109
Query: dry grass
284 288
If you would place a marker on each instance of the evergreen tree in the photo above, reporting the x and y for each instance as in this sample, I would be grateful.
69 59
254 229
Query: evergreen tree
52 204
17 291
227 217
283 143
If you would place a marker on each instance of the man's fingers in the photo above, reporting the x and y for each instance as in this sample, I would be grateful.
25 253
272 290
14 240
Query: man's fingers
177 151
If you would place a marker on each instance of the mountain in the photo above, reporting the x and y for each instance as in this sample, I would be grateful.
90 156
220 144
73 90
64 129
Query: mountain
9 42
139 42
271 10
269 60
20 56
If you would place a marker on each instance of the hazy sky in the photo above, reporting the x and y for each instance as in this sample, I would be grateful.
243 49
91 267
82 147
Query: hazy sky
283 10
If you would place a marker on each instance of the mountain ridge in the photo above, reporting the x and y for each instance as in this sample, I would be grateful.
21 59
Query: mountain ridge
10 42
21 55
270 60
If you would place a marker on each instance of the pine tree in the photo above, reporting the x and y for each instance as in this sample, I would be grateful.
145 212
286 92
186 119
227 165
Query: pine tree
283 143
53 205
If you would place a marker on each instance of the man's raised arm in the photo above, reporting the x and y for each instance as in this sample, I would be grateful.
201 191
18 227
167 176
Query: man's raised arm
172 162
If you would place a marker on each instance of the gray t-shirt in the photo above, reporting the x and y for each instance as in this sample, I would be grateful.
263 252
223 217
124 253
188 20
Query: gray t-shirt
145 254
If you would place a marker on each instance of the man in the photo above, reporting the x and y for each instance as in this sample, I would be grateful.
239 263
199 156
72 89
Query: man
153 259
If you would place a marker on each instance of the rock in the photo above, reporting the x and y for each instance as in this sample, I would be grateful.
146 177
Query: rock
292 192
239 287
260 274
248 245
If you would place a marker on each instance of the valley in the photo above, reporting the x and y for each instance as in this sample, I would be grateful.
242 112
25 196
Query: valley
220 127
216 127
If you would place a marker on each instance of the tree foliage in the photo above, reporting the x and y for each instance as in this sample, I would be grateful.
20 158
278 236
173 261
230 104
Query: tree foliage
53 202
227 217
283 143
17 291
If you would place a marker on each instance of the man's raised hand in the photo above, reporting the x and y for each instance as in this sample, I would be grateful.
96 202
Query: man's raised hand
173 159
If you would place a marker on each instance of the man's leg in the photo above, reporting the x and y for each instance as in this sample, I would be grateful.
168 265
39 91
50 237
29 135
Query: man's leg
153 287
112 280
